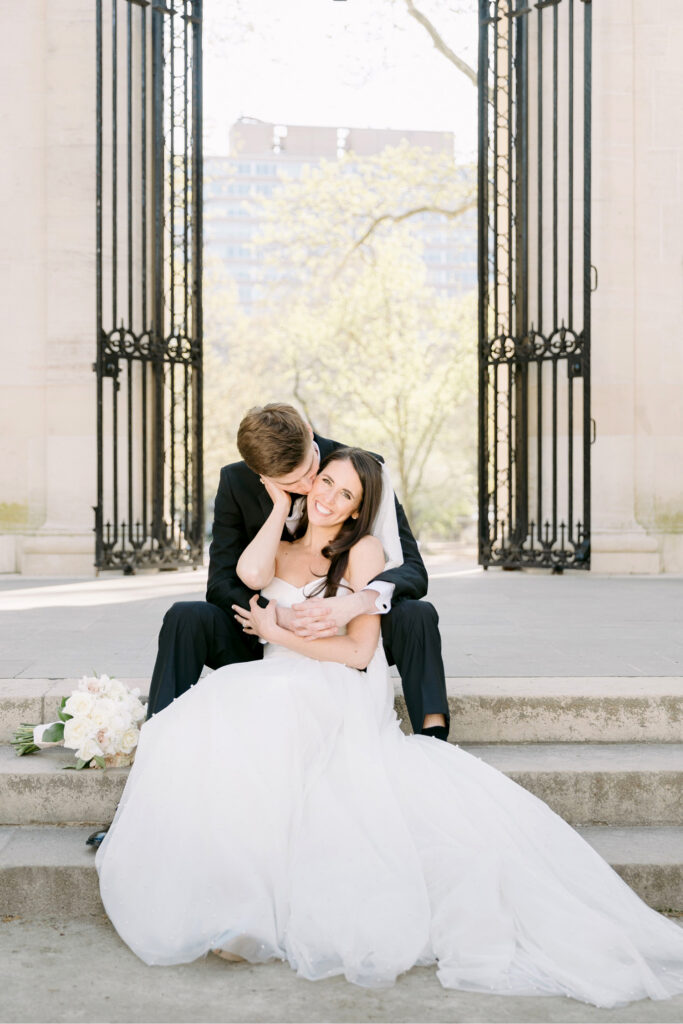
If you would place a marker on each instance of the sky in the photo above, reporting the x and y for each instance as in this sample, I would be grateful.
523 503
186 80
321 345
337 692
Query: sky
349 63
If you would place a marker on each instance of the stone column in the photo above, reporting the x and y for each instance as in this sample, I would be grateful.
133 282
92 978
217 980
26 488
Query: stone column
47 263
638 306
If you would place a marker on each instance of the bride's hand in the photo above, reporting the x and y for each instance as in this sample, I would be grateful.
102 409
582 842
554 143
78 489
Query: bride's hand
280 498
258 621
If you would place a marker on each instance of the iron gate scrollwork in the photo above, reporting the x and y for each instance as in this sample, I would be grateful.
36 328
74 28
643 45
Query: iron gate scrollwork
534 283
149 303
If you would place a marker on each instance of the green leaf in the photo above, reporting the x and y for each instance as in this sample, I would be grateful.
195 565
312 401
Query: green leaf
55 734
62 714
99 761
80 763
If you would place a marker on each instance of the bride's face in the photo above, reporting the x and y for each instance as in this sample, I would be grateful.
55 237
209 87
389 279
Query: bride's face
336 494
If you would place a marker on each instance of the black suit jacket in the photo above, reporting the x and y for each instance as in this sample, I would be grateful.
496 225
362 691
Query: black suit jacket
242 507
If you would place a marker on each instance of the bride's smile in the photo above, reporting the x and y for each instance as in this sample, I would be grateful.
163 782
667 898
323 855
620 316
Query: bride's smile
335 495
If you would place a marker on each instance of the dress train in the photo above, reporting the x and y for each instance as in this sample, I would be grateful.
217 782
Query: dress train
276 810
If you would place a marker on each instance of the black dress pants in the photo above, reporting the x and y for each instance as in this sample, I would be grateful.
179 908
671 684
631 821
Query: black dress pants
412 642
196 633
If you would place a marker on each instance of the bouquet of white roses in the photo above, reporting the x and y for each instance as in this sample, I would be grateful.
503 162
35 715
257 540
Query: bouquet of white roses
100 721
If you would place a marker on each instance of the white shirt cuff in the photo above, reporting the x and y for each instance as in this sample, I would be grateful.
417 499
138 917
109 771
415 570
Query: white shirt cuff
385 591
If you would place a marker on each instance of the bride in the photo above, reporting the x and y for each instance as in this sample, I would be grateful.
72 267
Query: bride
277 811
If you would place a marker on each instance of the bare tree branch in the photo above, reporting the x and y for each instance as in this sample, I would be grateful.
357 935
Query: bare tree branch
396 218
298 394
442 46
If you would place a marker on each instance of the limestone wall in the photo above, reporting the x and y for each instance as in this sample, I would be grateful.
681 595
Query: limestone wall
638 306
47 267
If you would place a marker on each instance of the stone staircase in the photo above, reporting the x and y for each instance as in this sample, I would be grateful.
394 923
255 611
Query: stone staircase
605 753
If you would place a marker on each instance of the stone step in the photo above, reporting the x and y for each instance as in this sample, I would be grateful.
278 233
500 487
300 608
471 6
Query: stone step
49 871
619 784
35 790
483 710
587 784
566 710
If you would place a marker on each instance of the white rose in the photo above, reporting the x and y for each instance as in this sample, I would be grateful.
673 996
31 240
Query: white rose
103 712
136 710
88 750
90 684
114 688
116 741
119 722
79 703
129 741
108 741
77 731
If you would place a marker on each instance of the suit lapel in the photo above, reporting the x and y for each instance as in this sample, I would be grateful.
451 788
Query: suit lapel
264 500
325 445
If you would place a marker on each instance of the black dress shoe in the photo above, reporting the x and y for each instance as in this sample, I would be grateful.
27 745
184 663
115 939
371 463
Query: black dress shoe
439 732
95 838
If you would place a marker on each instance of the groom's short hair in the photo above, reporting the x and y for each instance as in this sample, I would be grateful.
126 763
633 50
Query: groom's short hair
273 439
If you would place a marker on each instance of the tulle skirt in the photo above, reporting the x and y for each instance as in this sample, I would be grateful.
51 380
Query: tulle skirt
277 811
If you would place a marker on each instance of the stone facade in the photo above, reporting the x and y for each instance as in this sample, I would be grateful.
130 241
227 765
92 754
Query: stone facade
47 256
638 306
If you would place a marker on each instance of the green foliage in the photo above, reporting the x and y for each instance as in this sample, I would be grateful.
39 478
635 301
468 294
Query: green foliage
316 224
55 734
240 370
351 330
62 714
386 363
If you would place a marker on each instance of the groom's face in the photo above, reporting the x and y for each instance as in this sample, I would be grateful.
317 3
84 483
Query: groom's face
300 480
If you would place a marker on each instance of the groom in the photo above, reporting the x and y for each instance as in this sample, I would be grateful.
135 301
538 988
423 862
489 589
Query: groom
275 442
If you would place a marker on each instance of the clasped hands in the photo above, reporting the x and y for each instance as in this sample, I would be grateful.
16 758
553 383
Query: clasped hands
313 619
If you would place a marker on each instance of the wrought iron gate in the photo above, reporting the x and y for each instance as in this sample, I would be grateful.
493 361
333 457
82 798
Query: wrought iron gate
534 283
149 263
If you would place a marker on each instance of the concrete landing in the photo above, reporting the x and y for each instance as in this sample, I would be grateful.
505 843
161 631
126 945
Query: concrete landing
493 624
79 970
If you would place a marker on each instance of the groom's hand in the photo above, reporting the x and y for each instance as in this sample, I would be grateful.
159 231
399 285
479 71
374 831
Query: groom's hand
280 498
324 616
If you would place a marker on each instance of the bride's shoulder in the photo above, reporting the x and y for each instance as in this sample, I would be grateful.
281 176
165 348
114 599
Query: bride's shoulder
367 543
366 553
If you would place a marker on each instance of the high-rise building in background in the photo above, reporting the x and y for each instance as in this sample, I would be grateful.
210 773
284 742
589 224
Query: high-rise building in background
263 155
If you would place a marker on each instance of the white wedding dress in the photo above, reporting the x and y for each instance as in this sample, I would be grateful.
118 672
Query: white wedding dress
276 810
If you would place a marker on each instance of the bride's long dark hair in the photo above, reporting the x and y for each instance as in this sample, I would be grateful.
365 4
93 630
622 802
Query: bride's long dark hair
369 471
